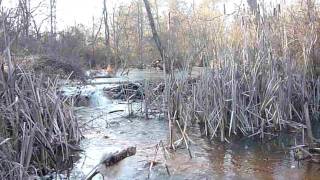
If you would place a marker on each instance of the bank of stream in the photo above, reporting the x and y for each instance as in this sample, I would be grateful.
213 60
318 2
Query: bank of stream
107 128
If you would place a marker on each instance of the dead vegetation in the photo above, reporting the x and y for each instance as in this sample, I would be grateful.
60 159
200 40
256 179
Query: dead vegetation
263 78
128 91
53 67
38 131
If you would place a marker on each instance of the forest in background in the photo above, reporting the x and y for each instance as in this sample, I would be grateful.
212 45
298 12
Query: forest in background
123 37
261 72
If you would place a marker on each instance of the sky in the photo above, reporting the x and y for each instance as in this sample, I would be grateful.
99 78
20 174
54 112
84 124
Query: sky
71 12
82 11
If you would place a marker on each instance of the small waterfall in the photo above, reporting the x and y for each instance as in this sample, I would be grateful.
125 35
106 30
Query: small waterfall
98 99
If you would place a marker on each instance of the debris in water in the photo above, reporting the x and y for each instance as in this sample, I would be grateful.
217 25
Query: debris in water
112 159
129 91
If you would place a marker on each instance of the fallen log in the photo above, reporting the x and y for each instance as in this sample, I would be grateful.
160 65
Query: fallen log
112 159
115 111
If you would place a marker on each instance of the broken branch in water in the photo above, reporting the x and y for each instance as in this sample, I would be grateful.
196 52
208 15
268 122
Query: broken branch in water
115 111
154 162
112 159
304 152
185 139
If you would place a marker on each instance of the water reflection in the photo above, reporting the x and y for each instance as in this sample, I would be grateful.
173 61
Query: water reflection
242 159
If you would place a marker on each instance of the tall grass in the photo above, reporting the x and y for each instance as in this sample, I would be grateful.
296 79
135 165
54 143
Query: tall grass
263 80
38 131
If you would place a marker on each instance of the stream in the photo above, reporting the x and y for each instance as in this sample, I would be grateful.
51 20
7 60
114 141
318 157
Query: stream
104 132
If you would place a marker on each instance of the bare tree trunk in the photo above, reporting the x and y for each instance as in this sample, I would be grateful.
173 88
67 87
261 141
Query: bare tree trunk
140 33
93 45
157 14
166 68
115 31
154 31
53 17
110 59
106 24
37 27
24 6
7 47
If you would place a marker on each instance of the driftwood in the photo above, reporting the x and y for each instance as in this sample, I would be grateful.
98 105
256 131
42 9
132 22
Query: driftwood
129 91
303 152
136 90
112 159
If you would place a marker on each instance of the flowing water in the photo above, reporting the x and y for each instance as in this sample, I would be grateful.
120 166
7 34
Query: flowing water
107 132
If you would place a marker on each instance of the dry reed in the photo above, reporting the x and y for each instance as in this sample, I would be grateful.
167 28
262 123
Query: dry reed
38 131
262 81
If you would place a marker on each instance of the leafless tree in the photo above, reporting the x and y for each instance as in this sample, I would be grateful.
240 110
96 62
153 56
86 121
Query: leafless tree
106 24
140 33
157 15
154 31
53 22
24 6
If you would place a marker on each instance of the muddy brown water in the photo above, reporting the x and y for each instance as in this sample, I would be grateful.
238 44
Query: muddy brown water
105 133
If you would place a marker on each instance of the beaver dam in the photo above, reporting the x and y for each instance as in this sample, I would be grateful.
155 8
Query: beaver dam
113 116
164 89
114 121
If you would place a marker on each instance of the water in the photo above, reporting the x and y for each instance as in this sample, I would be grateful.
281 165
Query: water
242 159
